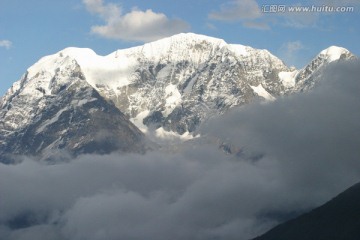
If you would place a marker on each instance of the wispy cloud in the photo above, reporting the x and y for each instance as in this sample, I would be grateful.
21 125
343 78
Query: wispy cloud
338 3
297 19
237 10
257 25
244 11
136 25
289 51
210 26
251 15
6 44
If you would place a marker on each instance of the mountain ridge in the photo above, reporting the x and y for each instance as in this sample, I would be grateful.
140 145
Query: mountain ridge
167 87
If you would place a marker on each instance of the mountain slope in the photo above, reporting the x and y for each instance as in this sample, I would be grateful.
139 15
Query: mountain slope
337 219
304 79
53 111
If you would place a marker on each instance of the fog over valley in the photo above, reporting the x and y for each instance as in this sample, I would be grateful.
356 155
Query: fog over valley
291 154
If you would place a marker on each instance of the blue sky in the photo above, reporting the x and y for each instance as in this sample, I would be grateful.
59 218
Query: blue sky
32 29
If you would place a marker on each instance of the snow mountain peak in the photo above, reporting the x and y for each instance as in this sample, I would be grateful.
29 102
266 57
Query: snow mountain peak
304 79
334 53
168 87
190 37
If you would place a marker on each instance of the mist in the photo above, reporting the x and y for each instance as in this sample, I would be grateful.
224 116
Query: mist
294 154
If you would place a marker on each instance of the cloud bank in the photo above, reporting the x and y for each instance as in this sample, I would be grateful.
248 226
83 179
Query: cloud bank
312 136
136 25
296 153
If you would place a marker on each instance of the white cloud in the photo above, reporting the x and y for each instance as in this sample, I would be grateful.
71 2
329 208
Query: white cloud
136 25
5 43
107 11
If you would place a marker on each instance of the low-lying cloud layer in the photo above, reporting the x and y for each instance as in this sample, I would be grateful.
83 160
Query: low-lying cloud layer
297 152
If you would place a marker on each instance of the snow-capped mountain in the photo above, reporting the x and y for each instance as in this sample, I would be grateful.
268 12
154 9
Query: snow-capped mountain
175 83
305 78
53 111
171 86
